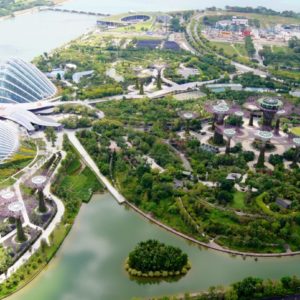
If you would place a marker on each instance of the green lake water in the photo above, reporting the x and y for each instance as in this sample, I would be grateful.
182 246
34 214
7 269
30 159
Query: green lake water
89 266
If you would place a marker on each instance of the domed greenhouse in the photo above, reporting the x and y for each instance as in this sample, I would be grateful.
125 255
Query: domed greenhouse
22 82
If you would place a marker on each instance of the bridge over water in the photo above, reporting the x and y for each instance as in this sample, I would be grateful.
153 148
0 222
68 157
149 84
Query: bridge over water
72 11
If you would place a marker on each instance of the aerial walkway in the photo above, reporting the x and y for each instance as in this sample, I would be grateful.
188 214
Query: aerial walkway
90 162
73 11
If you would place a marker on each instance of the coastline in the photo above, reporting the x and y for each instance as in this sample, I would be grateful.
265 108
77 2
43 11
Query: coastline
206 245
27 11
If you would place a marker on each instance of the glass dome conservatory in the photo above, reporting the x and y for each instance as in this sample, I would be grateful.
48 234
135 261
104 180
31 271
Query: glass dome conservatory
9 141
22 82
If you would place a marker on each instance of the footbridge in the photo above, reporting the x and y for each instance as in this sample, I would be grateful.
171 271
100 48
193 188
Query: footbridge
73 11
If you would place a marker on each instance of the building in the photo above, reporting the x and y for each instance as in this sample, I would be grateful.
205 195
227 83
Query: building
24 91
284 203
235 21
234 176
220 88
239 21
77 76
9 141
22 82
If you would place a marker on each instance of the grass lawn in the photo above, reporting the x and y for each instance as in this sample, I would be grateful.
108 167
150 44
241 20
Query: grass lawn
239 201
18 161
241 49
81 184
296 131
228 49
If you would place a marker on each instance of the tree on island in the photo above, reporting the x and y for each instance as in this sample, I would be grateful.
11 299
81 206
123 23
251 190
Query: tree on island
155 259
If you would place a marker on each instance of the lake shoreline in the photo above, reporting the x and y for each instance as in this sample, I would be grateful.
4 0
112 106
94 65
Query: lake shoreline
27 11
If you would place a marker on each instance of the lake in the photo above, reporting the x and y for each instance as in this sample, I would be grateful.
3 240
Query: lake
89 265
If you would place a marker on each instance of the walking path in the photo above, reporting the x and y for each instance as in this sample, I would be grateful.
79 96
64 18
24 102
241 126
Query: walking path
90 162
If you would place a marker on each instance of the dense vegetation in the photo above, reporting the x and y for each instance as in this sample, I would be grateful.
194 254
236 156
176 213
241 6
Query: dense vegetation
250 288
155 259
249 46
136 129
75 183
263 11
283 62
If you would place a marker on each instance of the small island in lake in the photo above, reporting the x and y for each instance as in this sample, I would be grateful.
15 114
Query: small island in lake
154 259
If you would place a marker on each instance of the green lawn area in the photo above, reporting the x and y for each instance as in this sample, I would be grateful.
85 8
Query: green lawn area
235 49
76 179
19 160
228 49
81 184
296 131
239 201
241 49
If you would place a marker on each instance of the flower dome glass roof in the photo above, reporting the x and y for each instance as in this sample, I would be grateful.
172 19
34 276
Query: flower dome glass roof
22 82
9 141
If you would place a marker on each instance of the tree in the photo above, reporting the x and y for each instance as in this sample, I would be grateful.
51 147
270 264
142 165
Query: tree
275 159
147 181
175 25
51 135
249 46
153 256
247 288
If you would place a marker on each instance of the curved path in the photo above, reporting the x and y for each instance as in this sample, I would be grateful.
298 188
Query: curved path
211 245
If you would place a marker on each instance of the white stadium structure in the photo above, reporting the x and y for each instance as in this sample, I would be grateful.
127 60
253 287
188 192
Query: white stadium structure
9 141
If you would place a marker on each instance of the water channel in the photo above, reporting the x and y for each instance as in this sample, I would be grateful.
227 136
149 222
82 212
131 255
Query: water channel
89 265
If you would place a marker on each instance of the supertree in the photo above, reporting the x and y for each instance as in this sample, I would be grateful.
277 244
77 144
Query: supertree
269 108
219 111
253 109
264 137
188 116
229 133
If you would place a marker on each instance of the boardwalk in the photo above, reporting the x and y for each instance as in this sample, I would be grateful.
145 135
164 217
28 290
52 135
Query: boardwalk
89 161
72 11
